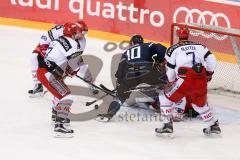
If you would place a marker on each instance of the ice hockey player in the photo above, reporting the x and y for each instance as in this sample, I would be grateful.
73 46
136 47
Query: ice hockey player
40 51
62 59
136 67
189 66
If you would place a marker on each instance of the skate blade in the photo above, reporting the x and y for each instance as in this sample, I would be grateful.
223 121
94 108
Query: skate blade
102 119
165 135
63 135
66 125
37 95
212 134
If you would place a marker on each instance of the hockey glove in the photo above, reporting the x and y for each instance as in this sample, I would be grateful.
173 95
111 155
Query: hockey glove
57 73
209 75
70 72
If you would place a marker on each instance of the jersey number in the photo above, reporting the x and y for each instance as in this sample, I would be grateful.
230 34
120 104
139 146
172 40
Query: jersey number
48 51
193 56
134 53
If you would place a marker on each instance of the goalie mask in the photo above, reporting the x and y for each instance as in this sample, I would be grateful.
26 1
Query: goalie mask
136 39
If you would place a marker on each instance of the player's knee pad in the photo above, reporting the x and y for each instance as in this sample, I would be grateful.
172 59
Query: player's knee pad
164 101
55 101
67 100
166 106
34 67
34 61
63 106
180 104
205 112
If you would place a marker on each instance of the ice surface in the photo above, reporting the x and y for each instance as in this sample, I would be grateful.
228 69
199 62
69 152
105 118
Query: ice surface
26 131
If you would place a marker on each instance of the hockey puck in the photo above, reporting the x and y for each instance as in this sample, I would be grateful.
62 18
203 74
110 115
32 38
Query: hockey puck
96 106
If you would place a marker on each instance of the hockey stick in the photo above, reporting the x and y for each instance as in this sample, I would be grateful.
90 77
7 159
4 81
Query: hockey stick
101 89
94 101
105 88
141 89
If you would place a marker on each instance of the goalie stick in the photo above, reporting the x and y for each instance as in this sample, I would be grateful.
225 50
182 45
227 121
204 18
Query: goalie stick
142 89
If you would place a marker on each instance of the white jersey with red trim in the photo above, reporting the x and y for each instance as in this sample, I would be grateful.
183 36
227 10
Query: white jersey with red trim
65 51
55 33
186 54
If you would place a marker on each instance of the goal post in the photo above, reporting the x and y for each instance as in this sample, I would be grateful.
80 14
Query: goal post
225 44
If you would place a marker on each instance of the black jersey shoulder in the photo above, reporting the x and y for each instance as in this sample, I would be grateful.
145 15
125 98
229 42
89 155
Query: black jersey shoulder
65 43
172 48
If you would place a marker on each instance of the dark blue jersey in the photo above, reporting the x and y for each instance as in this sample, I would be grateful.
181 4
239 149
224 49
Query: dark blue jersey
138 58
143 52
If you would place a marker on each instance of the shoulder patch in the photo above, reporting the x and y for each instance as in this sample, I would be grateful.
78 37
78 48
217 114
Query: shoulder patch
43 37
65 43
171 49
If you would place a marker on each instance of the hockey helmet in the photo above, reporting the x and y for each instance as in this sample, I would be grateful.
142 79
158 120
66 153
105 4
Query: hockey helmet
183 32
71 29
83 26
136 39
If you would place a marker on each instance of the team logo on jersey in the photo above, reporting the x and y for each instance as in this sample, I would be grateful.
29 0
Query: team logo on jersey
44 37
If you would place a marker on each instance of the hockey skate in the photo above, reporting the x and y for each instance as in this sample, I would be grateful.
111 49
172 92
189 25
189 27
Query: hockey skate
37 91
60 131
104 117
178 115
54 115
112 110
65 121
165 131
212 129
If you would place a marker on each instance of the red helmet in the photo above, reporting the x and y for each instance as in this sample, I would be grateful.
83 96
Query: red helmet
71 29
82 25
183 32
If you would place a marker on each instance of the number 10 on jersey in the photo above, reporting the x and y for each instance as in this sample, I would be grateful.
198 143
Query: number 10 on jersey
134 53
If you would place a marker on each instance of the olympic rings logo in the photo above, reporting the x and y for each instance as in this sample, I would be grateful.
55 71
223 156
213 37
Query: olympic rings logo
202 19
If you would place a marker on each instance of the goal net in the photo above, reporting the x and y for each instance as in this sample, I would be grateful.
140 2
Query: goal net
225 44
